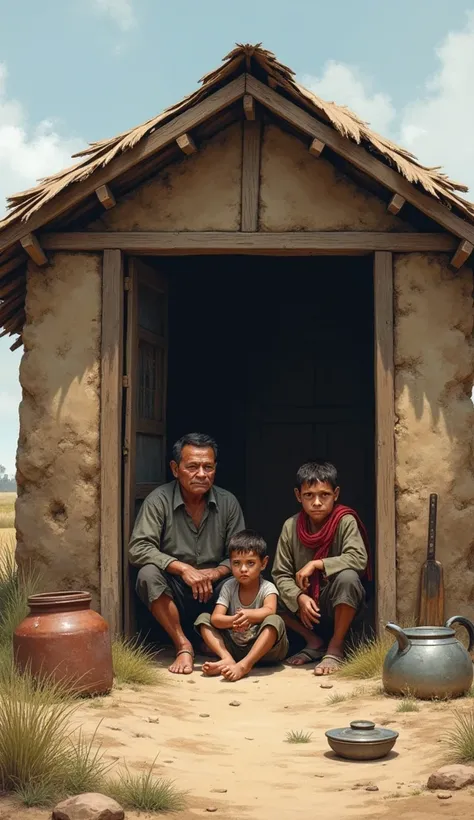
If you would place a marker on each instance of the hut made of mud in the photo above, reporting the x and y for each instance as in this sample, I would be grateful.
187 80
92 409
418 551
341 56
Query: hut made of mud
257 263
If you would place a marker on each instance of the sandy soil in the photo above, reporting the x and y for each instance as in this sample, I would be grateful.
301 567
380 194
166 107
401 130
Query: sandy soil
204 743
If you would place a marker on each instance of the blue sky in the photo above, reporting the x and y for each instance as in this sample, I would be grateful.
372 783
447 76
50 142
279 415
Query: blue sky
73 71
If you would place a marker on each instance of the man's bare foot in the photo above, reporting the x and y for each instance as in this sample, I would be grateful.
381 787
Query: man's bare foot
183 664
211 668
235 671
329 665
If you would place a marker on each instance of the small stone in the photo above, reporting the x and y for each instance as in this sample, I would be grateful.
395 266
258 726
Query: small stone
326 685
249 738
167 761
372 788
88 806
234 703
318 775
204 715
211 809
444 795
453 777
219 791
153 720
191 681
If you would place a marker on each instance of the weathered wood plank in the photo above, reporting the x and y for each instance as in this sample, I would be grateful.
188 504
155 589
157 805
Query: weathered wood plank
359 157
462 254
396 204
31 245
316 148
250 175
303 242
110 441
105 197
249 107
386 590
163 136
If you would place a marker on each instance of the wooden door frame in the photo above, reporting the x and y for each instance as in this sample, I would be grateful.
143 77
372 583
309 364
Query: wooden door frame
112 568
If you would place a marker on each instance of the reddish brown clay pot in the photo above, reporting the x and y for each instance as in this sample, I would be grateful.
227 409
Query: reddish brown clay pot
62 637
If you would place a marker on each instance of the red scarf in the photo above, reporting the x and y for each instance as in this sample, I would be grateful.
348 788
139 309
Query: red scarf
321 541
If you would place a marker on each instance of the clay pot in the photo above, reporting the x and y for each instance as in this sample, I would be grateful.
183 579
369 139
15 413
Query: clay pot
63 638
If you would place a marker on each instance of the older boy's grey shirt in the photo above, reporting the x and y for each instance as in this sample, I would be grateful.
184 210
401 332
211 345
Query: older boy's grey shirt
229 597
164 532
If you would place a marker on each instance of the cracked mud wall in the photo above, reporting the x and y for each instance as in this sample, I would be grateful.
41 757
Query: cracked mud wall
57 514
434 426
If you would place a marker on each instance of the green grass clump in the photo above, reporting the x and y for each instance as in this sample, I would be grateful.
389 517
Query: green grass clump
408 705
365 660
16 585
459 741
133 663
298 737
146 792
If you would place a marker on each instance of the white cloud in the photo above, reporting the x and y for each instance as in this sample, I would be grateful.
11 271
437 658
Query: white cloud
27 153
120 11
438 126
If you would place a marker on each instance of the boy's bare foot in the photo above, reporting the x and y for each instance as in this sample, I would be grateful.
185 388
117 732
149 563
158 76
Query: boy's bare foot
235 671
183 664
211 668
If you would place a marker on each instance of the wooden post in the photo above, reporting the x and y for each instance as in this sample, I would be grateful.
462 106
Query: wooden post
385 559
250 175
111 441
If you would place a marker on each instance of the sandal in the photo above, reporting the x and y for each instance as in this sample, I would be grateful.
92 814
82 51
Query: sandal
308 655
335 663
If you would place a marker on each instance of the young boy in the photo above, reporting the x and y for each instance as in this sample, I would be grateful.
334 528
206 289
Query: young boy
244 627
321 553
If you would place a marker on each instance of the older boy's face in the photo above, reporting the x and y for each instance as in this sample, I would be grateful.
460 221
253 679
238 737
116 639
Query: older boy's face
318 500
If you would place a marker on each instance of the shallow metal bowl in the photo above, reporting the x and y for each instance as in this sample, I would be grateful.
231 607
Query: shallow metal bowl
361 741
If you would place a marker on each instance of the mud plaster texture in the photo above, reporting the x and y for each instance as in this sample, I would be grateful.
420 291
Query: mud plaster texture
434 426
200 192
57 514
302 193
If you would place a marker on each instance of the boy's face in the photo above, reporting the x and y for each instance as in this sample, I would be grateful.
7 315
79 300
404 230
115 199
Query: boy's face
317 500
246 566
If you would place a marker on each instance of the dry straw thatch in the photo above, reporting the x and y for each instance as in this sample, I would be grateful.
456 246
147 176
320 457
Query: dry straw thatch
254 60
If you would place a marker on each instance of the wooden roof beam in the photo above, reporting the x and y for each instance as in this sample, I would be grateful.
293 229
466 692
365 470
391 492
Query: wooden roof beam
361 159
105 197
316 148
396 204
462 254
31 245
249 107
187 144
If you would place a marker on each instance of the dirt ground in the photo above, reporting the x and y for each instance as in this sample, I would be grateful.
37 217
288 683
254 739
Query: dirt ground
204 743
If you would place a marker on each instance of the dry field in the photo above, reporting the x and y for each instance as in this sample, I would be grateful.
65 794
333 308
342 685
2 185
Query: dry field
7 521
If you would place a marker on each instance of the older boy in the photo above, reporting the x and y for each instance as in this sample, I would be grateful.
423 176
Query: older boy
321 553
244 627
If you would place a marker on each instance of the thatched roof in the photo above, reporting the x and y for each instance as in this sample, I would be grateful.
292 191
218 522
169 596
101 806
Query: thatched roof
264 66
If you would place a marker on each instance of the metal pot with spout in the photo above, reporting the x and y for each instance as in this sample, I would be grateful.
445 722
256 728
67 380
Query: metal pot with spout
428 661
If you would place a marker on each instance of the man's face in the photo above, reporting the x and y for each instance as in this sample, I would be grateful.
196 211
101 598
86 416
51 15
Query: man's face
196 470
318 500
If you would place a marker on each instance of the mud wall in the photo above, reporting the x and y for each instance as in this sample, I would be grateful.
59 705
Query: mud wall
57 514
200 192
434 426
299 192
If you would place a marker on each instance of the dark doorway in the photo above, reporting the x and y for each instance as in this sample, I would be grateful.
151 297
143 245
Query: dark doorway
274 357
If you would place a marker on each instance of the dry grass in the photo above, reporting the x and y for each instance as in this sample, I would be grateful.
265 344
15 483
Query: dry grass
365 660
16 585
7 511
298 737
459 741
408 705
146 792
134 663
340 697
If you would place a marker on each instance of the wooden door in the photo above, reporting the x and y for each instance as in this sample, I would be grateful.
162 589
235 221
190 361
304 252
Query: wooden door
145 406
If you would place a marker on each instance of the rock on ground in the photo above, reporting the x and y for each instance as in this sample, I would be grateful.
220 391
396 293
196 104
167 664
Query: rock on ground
451 777
90 806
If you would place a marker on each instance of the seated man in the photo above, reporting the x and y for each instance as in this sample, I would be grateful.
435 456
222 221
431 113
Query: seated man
244 627
328 584
179 542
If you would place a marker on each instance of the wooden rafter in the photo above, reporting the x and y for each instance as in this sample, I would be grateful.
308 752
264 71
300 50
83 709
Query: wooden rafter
462 254
105 197
303 242
359 157
187 144
150 145
396 204
249 107
31 245
316 148
250 175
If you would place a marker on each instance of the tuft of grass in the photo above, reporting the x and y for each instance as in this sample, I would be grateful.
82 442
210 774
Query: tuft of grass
339 697
133 663
459 741
408 705
16 585
365 660
298 737
85 768
146 792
